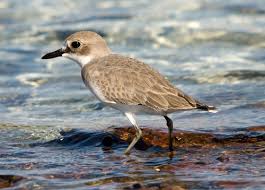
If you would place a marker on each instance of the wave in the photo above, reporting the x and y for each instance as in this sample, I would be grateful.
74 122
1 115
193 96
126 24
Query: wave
230 77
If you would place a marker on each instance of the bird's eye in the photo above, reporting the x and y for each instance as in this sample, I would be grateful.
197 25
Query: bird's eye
75 44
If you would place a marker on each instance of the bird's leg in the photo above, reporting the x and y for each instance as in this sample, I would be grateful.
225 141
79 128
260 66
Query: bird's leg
170 133
130 116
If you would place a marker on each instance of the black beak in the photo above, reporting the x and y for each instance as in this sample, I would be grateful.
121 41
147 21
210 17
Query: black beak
54 54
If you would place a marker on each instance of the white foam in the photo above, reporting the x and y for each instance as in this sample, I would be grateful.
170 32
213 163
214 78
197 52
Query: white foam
212 111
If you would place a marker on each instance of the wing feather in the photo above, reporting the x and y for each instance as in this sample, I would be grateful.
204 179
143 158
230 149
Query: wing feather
128 81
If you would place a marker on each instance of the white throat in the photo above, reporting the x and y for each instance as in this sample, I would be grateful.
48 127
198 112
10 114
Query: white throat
82 60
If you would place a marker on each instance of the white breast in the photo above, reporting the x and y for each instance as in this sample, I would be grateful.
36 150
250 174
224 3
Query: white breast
97 92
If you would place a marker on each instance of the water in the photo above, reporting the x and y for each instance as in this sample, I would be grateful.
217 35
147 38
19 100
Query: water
213 50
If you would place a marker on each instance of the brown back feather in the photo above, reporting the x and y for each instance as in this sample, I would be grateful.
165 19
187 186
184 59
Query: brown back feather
128 81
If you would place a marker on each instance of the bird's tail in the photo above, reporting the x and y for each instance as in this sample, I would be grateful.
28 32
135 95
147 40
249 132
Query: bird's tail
204 107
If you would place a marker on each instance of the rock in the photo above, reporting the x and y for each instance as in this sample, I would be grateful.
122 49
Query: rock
154 137
168 185
252 137
9 180
256 128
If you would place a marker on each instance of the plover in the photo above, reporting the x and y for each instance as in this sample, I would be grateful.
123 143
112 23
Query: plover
124 83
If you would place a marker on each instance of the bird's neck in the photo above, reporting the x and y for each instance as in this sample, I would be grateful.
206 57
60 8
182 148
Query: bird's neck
83 60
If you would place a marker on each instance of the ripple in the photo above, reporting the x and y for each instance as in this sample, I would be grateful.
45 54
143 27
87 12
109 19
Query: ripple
14 99
243 38
33 79
258 105
232 77
245 9
60 34
28 133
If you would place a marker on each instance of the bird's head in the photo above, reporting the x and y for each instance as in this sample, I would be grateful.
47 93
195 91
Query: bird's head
81 47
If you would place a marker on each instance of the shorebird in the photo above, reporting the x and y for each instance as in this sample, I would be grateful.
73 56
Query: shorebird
124 83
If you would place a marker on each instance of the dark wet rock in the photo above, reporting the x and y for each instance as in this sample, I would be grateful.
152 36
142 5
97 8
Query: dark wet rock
142 145
168 185
137 186
9 180
159 138
107 141
256 128
75 137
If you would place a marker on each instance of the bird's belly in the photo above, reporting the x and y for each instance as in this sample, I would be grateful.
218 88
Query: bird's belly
137 109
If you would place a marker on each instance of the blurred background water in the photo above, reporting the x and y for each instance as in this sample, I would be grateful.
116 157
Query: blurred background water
211 49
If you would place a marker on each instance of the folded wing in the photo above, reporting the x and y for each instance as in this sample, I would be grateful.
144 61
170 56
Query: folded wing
128 81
